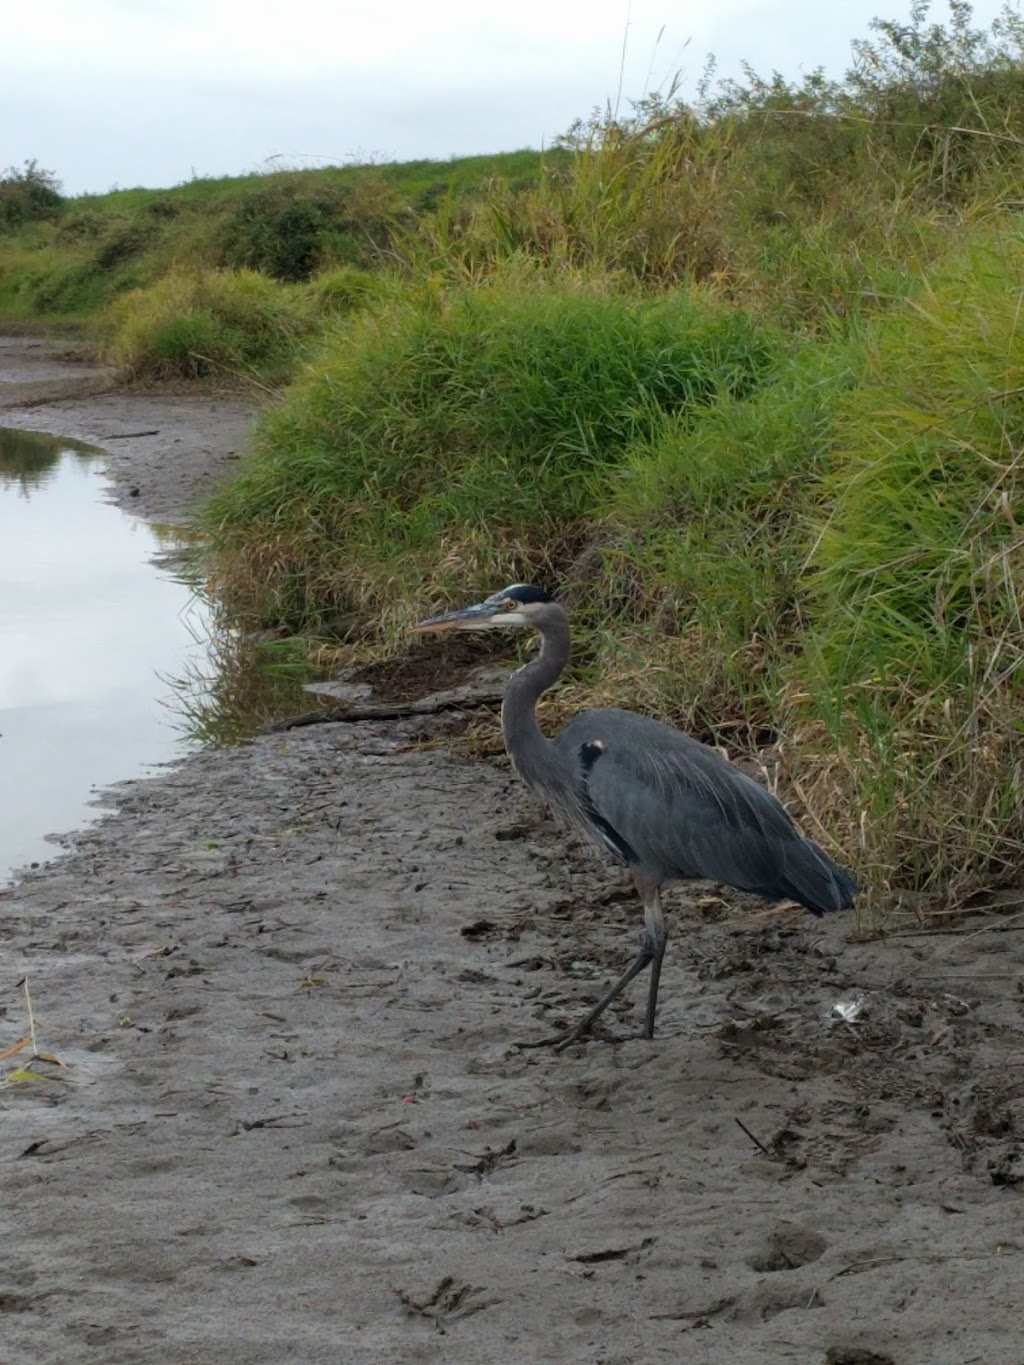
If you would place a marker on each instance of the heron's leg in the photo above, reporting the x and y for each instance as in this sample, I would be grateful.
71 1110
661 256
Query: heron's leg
655 932
644 958
651 954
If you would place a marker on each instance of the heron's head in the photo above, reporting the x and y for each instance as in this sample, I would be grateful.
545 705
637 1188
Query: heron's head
517 605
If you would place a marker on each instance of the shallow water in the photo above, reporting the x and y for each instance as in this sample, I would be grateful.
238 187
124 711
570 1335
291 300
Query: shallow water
90 631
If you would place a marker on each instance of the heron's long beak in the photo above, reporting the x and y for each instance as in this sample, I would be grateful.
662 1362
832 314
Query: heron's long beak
469 618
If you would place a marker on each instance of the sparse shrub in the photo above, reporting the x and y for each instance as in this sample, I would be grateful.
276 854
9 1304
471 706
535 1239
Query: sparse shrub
929 114
163 208
945 98
291 228
83 226
122 244
285 239
31 194
641 199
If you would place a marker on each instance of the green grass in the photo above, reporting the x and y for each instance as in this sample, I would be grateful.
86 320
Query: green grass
292 224
414 180
46 282
463 433
915 660
711 520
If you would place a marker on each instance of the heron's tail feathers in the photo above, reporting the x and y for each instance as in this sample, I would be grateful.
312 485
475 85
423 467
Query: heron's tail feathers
816 882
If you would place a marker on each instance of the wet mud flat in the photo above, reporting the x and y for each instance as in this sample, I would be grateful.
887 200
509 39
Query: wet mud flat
289 981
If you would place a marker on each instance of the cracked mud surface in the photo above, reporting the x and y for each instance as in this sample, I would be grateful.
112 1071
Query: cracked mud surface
288 982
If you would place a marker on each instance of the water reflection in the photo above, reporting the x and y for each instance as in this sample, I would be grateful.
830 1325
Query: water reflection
29 460
108 664
238 683
87 626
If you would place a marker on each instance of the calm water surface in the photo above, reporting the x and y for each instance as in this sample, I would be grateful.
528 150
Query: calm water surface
90 631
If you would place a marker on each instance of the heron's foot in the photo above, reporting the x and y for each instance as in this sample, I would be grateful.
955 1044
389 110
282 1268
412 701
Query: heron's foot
542 1042
612 1038
650 954
582 1034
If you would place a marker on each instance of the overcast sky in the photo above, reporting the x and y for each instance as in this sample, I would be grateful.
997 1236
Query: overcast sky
151 92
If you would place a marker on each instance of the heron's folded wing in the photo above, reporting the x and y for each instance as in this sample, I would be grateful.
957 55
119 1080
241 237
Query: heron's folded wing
684 811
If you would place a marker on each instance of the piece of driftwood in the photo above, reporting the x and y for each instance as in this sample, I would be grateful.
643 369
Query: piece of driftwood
452 699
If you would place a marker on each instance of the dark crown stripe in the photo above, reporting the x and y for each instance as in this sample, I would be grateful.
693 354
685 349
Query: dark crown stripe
526 592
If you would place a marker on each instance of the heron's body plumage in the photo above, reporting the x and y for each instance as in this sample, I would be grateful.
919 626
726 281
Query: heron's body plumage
685 812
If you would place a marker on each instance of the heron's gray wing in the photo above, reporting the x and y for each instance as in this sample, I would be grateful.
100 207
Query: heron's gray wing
683 811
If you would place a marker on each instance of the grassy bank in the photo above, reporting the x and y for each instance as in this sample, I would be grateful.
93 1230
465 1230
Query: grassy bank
769 539
70 260
463 435
740 381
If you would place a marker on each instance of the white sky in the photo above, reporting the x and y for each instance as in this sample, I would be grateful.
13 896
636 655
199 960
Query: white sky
150 92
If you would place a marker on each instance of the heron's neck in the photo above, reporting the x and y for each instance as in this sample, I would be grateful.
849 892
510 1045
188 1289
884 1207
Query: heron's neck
524 739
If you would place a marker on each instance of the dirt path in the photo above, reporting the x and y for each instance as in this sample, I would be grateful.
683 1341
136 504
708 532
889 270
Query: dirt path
288 982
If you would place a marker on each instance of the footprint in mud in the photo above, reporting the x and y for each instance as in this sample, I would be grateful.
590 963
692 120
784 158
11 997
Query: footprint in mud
594 1092
503 1059
433 1182
767 1301
556 1140
391 1138
787 1247
19 1303
311 1203
449 1298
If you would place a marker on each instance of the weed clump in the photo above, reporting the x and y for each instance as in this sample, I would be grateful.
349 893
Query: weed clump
345 289
192 324
124 242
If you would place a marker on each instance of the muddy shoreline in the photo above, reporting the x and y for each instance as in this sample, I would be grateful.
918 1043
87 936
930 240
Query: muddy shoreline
288 981
164 451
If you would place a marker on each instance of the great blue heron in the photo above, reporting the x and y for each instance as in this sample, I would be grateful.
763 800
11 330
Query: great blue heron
653 798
